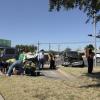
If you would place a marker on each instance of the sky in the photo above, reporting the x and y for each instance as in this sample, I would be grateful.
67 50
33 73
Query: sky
29 21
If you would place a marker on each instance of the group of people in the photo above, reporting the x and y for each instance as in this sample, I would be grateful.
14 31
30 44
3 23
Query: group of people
51 59
17 65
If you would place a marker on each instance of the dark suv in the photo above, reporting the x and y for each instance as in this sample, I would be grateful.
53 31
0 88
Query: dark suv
73 58
7 53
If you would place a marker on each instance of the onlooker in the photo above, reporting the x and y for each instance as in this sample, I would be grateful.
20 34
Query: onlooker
52 61
1 68
41 59
18 64
90 61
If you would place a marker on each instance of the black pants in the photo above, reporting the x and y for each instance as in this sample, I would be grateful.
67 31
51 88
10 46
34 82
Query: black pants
41 63
52 64
90 65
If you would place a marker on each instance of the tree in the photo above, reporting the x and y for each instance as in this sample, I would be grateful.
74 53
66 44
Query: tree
88 6
90 46
67 49
53 52
27 48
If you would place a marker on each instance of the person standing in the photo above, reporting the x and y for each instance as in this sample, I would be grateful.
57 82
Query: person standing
41 59
52 61
90 61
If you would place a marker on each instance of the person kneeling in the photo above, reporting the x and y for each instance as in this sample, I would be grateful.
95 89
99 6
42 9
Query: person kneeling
17 64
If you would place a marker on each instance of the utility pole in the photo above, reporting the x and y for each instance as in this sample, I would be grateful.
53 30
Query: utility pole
94 23
59 48
38 46
49 46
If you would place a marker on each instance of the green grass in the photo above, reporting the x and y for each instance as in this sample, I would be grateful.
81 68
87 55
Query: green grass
83 87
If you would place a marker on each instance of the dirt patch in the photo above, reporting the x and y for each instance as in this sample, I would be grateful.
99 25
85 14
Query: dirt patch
68 76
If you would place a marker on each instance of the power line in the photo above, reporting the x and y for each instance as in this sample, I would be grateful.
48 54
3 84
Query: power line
66 42
61 43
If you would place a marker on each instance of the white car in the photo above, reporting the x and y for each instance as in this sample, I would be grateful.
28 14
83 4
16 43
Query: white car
97 57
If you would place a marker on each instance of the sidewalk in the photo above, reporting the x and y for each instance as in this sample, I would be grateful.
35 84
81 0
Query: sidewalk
53 74
56 74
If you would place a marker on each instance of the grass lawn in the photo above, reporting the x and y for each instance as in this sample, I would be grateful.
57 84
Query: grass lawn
82 87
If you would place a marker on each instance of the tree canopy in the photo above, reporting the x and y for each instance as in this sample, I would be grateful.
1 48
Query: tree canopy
27 48
88 6
90 46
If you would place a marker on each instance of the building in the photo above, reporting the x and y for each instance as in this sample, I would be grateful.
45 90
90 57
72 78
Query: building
5 43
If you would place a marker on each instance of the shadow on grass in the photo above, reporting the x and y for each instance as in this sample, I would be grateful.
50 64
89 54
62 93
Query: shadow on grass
95 75
91 86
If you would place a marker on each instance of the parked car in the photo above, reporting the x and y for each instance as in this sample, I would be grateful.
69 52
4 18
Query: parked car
97 57
65 63
78 63
7 53
73 58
